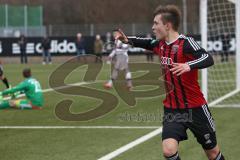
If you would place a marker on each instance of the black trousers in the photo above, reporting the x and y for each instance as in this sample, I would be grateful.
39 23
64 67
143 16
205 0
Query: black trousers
23 57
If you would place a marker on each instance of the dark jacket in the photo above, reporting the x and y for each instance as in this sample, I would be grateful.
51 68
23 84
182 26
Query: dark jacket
46 45
22 43
80 44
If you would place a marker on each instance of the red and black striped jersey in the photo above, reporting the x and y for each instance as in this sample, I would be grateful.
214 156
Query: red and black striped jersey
181 91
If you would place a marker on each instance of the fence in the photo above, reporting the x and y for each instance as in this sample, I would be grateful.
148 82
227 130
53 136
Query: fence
28 20
15 20
85 29
102 29
18 16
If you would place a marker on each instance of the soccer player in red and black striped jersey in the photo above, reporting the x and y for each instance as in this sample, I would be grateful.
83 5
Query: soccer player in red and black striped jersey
181 57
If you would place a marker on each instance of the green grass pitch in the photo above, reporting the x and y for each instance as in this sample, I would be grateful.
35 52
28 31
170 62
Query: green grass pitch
90 144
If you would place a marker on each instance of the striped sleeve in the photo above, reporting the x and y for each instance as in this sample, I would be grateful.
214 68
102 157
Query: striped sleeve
146 43
202 59
20 87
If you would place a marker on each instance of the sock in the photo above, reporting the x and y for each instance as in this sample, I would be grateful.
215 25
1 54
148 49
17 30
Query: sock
128 75
129 83
110 81
5 81
220 156
173 157
4 104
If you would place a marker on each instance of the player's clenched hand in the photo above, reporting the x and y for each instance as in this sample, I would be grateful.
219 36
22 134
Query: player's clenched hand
180 68
120 36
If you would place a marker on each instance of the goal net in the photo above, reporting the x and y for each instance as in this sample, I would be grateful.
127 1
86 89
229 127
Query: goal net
223 78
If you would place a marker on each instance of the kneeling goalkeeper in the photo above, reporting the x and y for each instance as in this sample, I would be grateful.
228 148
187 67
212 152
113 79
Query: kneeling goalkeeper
30 87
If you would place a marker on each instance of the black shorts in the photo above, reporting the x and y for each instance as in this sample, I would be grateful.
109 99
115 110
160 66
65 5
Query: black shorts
198 120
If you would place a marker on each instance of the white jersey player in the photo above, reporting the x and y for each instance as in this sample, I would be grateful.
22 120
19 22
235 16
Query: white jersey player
119 57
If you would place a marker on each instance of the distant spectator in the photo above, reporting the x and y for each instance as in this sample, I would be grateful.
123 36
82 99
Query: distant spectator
98 48
225 38
46 46
22 44
80 45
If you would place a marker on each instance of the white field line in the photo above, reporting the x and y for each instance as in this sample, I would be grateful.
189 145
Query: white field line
52 89
233 1
132 144
79 127
220 99
226 106
212 104
73 127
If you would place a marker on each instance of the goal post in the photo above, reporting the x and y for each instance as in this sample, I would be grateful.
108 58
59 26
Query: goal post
220 23
203 20
237 3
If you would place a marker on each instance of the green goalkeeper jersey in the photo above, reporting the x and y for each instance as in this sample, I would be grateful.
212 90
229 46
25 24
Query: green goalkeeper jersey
32 89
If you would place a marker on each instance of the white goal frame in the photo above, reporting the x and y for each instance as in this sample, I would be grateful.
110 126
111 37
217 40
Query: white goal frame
204 26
